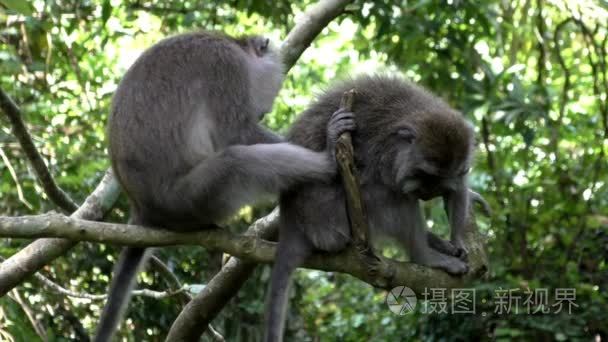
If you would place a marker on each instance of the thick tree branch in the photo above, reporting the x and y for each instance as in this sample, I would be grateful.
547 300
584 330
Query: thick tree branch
58 196
175 284
250 247
60 226
40 252
308 25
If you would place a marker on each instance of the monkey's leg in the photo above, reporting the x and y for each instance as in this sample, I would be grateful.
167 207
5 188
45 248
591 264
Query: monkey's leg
417 243
456 204
123 280
443 246
292 251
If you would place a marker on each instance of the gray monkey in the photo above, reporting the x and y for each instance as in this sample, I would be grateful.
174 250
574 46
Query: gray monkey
409 146
186 145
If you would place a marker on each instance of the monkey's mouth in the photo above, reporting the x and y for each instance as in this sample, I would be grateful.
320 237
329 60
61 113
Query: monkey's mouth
426 194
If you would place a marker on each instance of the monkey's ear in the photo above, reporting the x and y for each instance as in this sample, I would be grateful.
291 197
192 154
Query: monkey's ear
407 133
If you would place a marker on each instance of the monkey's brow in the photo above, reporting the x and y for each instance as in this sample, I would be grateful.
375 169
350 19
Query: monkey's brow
429 168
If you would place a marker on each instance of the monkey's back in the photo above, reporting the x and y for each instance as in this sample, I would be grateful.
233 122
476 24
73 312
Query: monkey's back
382 104
172 89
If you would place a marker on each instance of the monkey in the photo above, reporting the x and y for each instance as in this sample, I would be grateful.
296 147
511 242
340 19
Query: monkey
186 145
409 146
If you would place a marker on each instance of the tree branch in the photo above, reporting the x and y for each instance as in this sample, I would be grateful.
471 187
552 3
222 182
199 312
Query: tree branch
58 196
308 26
41 252
174 283
29 313
139 292
246 246
357 214
191 322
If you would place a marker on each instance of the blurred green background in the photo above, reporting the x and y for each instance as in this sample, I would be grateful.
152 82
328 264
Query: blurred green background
530 74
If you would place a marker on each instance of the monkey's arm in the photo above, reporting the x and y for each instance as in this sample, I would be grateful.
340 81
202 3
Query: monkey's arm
262 135
241 174
417 239
403 219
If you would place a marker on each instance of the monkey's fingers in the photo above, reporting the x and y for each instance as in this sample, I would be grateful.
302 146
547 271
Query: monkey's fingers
462 254
341 122
342 114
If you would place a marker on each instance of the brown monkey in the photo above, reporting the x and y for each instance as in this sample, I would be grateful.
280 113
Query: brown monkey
409 146
186 145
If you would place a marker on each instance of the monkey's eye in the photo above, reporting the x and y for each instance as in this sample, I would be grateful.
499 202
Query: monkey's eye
263 47
407 134
465 172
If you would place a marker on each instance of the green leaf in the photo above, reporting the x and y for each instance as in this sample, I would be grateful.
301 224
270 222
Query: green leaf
106 11
19 6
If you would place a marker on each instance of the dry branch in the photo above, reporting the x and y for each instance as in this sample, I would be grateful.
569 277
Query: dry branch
357 214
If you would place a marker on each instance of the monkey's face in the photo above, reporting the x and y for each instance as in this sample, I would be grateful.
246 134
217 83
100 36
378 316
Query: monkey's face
422 167
265 74
424 178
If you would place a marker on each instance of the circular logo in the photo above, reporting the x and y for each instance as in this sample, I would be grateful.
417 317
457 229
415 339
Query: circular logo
401 300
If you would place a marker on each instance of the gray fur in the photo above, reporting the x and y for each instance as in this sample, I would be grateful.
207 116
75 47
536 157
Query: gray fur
186 145
409 146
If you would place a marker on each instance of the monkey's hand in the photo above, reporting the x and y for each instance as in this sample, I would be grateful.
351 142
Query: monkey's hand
341 121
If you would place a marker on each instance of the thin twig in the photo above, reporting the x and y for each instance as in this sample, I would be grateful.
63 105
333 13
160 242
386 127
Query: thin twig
52 190
38 327
171 278
141 292
13 174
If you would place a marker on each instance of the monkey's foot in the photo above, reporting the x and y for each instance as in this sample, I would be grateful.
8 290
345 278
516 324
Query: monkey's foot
446 247
462 252
449 264
370 260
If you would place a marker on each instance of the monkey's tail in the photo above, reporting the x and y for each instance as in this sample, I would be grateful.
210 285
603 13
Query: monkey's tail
276 306
123 280
292 251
